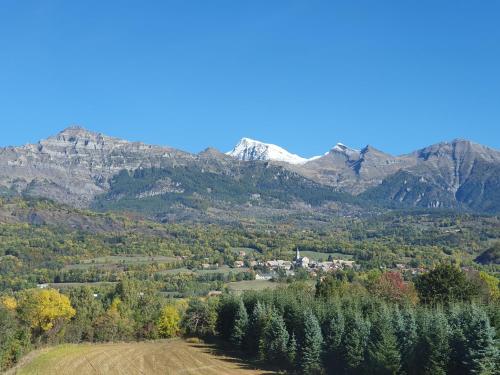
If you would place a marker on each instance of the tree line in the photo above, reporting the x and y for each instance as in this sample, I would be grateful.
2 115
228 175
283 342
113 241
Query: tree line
340 330
348 323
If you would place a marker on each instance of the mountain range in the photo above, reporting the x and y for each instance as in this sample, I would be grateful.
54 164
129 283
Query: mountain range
88 169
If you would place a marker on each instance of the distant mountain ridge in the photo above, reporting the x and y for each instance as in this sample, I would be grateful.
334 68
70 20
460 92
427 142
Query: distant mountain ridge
76 165
83 169
250 150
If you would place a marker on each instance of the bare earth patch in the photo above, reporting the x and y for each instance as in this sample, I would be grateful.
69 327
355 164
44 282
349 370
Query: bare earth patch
159 357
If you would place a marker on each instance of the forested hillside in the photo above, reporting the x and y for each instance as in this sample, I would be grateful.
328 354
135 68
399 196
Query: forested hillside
110 276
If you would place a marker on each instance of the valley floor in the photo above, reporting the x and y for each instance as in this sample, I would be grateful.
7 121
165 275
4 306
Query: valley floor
159 357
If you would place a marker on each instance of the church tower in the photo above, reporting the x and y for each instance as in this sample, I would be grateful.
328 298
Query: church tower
297 255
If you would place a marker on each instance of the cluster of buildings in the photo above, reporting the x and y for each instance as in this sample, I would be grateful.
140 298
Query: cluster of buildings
333 265
302 262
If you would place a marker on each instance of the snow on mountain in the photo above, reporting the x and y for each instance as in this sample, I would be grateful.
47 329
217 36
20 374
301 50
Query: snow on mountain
248 150
342 148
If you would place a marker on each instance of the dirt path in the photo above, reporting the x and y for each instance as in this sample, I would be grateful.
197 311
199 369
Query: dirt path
159 357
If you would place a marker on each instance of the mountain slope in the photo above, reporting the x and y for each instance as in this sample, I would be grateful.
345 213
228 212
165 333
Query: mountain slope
84 168
262 185
250 150
450 174
76 165
351 170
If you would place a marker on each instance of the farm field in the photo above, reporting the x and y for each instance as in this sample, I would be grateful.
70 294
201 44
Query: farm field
159 357
241 286
114 261
222 270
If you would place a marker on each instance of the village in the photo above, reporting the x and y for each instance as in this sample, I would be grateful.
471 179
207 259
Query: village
271 269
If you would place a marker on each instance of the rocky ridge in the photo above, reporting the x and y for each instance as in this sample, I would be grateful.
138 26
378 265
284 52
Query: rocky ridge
76 166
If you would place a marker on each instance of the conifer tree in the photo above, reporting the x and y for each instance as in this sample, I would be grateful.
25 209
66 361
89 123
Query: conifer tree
473 349
292 351
354 342
433 349
405 327
240 325
310 361
383 353
276 339
226 314
256 326
335 329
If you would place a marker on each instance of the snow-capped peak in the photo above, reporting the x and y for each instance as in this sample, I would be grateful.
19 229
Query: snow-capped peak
249 150
340 147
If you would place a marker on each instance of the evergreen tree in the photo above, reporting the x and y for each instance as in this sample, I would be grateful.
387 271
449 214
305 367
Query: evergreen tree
240 325
473 349
405 327
335 329
292 351
433 351
310 362
226 313
354 342
383 353
276 339
256 326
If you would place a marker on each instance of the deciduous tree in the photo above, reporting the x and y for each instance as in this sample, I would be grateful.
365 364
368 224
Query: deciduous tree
444 284
45 309
169 321
200 318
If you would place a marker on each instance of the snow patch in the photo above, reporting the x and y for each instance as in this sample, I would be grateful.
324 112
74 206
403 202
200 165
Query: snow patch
250 150
340 147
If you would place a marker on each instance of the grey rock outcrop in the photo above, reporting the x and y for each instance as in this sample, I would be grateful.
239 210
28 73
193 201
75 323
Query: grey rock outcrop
76 165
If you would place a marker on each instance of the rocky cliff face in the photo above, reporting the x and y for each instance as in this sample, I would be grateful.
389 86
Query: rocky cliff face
450 174
351 170
76 165
451 164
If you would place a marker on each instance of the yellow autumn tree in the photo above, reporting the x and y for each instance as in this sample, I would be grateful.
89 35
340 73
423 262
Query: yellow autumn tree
115 306
44 308
9 302
169 321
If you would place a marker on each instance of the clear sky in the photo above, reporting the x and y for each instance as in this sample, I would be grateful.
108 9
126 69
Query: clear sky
398 75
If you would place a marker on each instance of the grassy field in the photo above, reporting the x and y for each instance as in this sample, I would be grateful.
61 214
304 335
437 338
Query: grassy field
160 357
222 269
241 286
114 261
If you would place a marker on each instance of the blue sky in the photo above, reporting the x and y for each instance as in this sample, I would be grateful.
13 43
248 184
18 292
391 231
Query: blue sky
398 75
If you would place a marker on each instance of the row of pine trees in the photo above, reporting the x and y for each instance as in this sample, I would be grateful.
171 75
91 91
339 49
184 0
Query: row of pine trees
292 331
